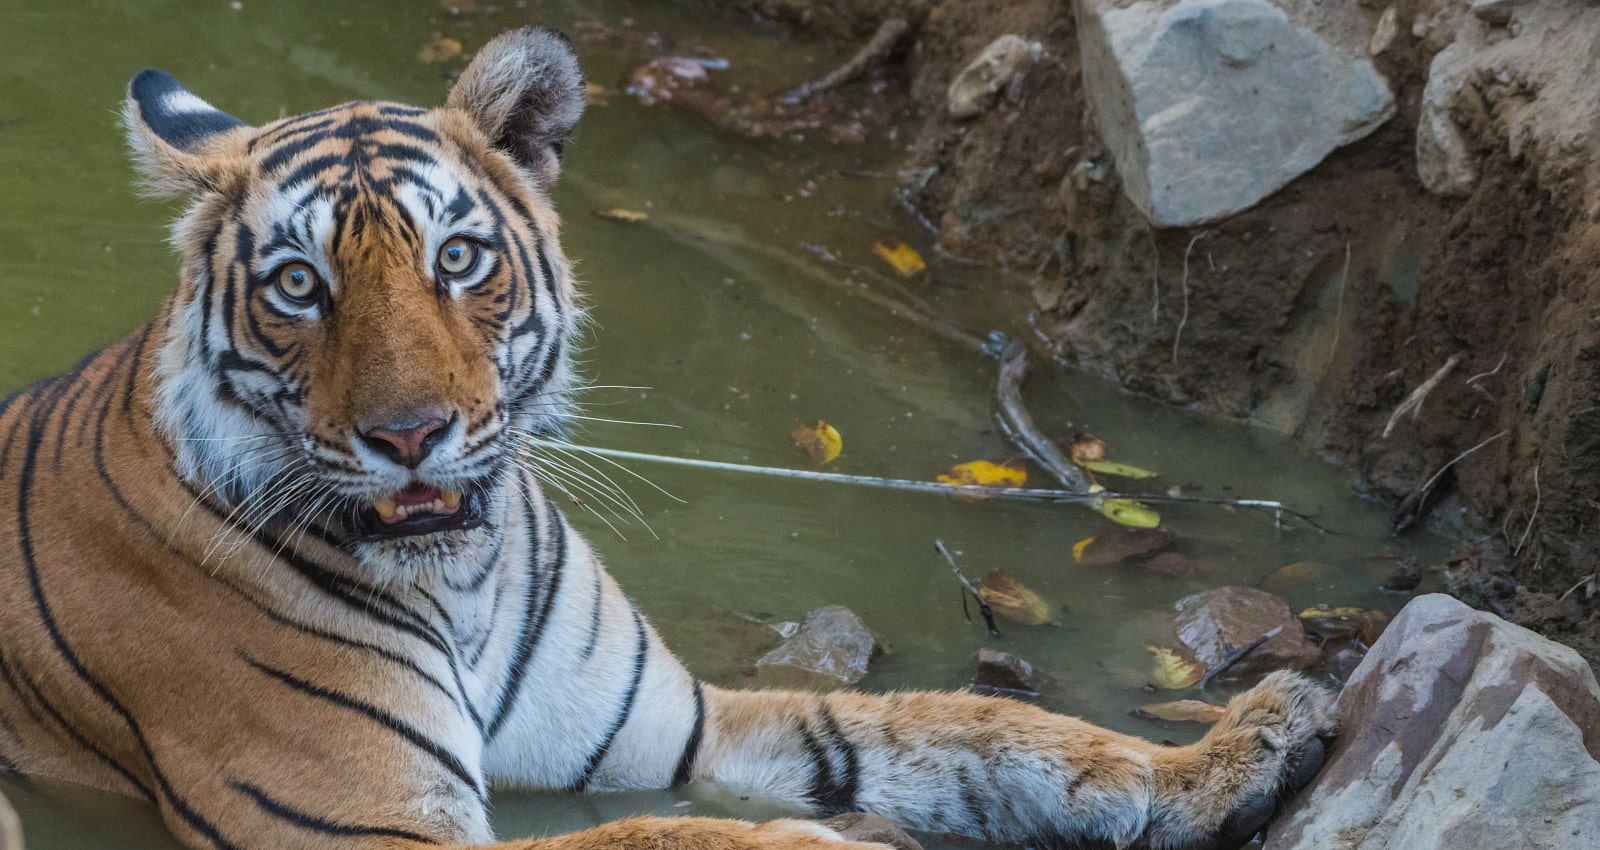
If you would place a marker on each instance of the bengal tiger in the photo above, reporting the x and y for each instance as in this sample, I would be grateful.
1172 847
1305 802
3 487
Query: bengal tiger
271 562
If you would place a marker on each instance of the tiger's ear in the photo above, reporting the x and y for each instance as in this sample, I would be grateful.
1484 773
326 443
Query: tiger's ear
177 138
525 92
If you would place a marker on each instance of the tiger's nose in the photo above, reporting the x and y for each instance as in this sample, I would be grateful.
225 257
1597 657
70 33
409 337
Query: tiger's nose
407 443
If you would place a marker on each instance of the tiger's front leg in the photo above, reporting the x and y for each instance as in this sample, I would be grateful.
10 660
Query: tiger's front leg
1008 771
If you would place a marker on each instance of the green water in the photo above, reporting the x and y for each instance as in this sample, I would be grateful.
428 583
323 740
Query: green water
724 307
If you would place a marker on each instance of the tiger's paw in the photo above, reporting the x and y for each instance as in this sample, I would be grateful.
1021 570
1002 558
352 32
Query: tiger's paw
1217 793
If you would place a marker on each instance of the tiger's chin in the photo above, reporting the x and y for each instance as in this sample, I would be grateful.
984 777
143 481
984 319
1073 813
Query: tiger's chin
440 554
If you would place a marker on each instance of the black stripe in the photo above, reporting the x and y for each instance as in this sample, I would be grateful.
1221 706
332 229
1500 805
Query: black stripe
178 804
594 617
534 623
37 696
312 823
640 653
446 759
849 782
691 747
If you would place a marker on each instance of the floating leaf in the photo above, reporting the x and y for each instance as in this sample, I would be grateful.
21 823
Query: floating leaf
1127 512
901 256
1077 548
1333 613
440 49
1087 448
1013 600
1172 671
984 473
622 216
1170 564
1121 470
819 439
1121 544
1190 710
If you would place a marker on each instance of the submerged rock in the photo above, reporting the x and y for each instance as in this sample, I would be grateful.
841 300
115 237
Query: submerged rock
831 647
1211 105
1003 672
1459 730
1213 622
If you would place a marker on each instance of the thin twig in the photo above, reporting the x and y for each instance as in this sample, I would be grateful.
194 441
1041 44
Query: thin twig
1019 494
1457 458
1588 580
1537 498
983 607
1184 319
1413 402
1233 657
1338 313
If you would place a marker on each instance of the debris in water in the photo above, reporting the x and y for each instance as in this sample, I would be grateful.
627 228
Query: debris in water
440 49
902 257
1013 600
1121 545
819 439
1180 711
619 215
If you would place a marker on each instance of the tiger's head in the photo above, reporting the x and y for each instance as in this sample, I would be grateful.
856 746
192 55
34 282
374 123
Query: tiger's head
373 304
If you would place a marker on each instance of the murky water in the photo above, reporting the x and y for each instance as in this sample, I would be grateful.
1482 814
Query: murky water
744 304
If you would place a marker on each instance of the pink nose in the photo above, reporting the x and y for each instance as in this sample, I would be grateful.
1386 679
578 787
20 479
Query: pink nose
406 443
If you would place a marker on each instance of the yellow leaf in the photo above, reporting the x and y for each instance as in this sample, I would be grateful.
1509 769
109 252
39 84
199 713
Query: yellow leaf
1184 709
1125 511
985 473
1313 613
1172 671
1077 548
903 257
1013 600
438 50
819 439
1119 469
622 216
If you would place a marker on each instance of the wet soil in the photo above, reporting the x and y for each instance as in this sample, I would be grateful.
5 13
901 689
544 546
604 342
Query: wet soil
1316 313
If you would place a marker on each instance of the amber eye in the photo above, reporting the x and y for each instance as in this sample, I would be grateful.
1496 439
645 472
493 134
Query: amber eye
298 282
457 256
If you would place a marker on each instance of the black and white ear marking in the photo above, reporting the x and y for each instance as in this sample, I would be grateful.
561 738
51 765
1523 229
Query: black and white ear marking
173 113
173 134
524 90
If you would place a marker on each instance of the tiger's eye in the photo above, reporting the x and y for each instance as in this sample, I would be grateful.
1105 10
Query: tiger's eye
298 282
457 255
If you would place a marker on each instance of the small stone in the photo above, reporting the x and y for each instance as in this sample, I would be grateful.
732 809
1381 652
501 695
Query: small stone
1214 622
974 88
1002 671
1405 577
1495 12
832 644
1383 34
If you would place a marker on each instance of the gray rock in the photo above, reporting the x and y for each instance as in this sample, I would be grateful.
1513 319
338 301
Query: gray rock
1211 105
1497 12
832 644
1384 33
1460 730
1444 160
974 88
1211 622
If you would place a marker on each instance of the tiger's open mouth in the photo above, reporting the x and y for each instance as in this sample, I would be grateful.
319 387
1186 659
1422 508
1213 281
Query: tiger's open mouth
418 509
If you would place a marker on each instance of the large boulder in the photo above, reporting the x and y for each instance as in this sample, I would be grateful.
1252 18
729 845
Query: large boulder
1460 731
1211 105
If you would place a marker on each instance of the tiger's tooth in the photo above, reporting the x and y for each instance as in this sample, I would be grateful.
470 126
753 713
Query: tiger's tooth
451 499
386 507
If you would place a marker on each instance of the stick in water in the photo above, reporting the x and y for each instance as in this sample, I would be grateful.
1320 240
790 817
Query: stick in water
1233 657
983 607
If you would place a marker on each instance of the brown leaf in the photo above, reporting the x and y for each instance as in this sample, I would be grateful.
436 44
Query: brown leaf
1190 710
1173 671
1122 544
819 439
1171 564
1087 448
1013 600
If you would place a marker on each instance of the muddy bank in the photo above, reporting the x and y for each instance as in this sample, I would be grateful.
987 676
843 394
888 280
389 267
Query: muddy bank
1324 307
